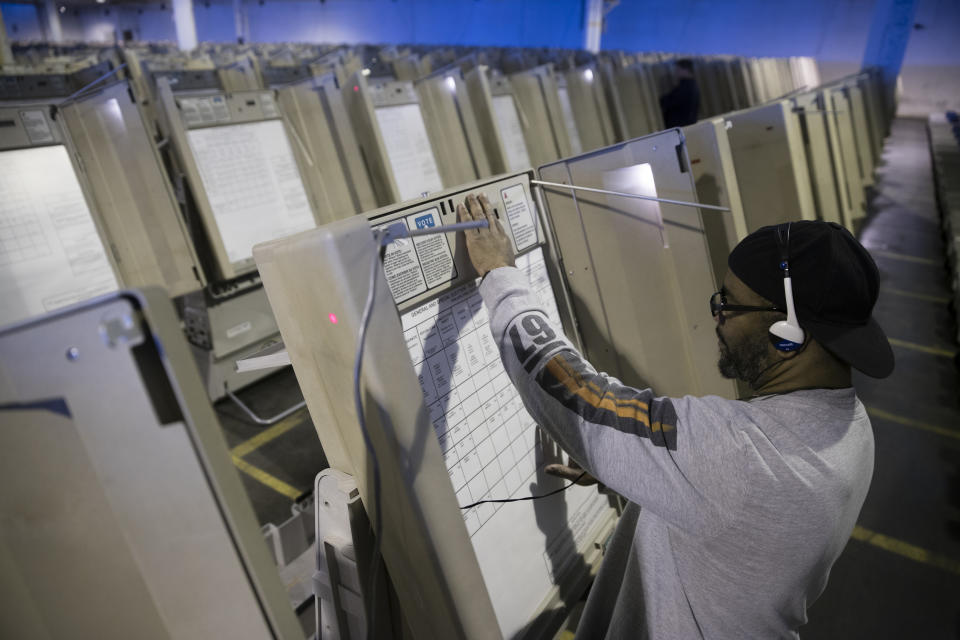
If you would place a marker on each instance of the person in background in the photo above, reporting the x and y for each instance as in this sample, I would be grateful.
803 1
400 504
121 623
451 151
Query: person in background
682 103
737 509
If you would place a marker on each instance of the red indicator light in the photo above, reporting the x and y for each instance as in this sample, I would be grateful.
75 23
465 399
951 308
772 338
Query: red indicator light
333 318
356 88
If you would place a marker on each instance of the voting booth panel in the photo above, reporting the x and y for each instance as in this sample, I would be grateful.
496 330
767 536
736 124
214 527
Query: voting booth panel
452 127
447 426
840 107
334 171
607 74
544 127
129 518
715 179
501 120
233 153
392 134
583 96
861 132
570 124
771 165
53 251
816 138
641 101
132 192
614 247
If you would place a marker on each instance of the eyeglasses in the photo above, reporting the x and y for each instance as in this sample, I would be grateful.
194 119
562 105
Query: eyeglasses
718 303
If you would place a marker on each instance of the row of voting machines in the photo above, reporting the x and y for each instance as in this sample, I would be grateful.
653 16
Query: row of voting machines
244 206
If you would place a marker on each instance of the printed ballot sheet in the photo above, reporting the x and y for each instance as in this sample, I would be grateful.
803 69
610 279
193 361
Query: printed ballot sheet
494 450
251 179
51 254
511 133
408 149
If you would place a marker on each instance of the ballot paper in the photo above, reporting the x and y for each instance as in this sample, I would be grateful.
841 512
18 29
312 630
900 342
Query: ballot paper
569 120
511 133
51 254
252 182
493 450
408 150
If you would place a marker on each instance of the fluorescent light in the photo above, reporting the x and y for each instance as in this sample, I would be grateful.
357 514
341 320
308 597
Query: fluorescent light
587 74
451 83
365 72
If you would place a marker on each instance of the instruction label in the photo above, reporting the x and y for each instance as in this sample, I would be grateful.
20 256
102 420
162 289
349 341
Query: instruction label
436 260
402 270
38 129
520 216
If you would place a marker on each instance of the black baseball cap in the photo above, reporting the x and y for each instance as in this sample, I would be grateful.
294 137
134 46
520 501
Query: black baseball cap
835 286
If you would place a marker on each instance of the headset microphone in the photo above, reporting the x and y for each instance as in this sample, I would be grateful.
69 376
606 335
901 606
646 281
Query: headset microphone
786 335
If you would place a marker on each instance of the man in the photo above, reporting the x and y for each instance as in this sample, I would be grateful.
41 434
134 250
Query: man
681 104
737 509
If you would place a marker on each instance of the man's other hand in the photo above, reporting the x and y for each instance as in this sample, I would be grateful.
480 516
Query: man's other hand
488 248
571 472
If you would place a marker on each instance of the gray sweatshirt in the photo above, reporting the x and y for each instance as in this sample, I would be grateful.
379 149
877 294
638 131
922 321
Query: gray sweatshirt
737 510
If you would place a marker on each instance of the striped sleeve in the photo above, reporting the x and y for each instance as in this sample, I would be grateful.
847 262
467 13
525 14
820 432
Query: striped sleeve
634 442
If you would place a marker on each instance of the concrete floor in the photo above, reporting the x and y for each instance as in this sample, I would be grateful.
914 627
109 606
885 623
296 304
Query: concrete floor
900 575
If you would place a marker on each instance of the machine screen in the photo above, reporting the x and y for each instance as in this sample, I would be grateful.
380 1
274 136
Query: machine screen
51 254
508 122
252 182
408 149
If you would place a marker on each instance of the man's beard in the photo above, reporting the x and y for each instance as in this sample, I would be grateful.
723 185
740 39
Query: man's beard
745 360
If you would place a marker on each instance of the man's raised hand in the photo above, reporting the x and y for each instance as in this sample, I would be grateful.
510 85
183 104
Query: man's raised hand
488 248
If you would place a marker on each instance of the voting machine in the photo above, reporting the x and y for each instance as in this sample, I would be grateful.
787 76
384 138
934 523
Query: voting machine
447 426
771 164
233 154
392 133
84 205
128 518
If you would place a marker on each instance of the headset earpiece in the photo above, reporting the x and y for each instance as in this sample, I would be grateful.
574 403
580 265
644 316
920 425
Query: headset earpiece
786 335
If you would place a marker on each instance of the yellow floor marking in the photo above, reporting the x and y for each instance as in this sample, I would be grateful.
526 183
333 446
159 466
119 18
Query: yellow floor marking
910 422
566 634
902 256
922 347
918 296
265 478
905 549
267 435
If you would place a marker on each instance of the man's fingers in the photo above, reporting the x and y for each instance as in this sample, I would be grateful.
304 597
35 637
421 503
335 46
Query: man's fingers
488 211
569 473
476 210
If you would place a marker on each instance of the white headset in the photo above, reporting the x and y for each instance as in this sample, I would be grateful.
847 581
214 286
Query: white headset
786 335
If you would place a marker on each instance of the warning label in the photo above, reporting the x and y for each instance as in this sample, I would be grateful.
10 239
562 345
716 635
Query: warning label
520 217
